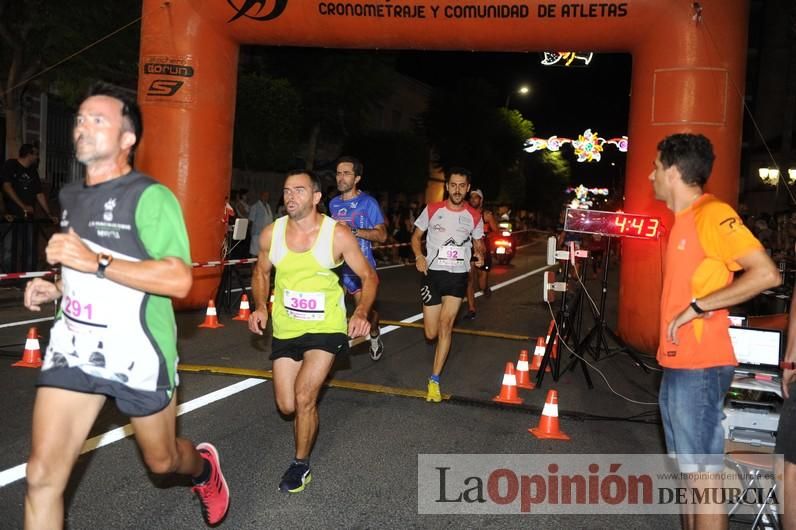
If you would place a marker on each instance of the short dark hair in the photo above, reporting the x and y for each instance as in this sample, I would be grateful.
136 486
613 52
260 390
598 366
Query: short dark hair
316 182
459 171
26 149
359 169
691 153
131 112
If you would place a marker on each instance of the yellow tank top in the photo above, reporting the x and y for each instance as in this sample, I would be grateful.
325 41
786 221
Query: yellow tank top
308 297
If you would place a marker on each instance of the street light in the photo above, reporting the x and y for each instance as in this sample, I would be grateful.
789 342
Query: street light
523 90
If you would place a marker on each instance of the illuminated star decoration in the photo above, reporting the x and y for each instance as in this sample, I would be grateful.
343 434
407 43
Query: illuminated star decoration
588 146
582 199
566 58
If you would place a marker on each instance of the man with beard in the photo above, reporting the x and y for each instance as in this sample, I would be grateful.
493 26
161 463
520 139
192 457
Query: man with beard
309 316
454 229
361 213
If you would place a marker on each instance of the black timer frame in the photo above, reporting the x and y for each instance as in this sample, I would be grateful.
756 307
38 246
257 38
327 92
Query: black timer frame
568 323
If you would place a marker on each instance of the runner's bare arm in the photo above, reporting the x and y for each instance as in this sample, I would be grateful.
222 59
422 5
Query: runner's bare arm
168 276
760 273
261 283
489 220
417 248
479 249
39 291
345 244
377 234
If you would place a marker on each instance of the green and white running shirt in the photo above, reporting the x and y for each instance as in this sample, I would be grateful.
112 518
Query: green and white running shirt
106 329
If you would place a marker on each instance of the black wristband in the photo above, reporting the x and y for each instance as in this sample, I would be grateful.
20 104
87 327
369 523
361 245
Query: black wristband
696 308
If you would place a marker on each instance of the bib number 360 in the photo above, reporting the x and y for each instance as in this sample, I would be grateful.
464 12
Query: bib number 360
304 306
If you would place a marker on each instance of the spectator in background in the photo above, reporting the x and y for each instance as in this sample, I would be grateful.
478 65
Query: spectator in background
403 225
242 203
280 207
260 216
22 189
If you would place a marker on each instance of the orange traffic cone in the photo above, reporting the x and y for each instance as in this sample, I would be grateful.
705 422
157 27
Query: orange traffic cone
523 378
554 351
550 329
31 357
211 319
538 353
244 311
548 423
508 391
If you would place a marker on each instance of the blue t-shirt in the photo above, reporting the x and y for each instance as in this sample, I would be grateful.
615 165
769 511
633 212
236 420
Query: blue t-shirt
360 212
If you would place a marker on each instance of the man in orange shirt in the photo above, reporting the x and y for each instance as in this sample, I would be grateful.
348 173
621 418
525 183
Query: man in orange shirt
707 244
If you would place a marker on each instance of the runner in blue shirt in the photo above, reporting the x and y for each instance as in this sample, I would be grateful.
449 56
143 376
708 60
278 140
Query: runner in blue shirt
360 212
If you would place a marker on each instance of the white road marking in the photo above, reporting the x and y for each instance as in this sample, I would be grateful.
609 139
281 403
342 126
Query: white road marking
16 473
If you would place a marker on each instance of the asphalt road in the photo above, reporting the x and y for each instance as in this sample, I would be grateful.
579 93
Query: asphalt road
365 462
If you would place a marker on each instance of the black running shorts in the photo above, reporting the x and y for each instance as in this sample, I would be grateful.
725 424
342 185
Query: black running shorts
129 401
437 284
334 343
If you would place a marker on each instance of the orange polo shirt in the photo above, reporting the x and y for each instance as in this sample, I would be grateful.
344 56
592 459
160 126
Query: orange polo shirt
706 240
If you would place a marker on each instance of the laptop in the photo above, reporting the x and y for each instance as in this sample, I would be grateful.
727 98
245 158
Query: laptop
758 351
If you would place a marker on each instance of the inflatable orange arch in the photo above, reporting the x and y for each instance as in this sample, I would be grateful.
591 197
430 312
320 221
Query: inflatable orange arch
688 74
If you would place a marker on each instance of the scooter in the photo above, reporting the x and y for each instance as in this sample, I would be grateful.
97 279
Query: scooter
503 244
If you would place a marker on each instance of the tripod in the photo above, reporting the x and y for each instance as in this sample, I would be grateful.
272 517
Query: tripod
223 299
565 325
595 340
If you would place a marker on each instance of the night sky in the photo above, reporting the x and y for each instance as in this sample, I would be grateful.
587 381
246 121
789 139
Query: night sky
563 101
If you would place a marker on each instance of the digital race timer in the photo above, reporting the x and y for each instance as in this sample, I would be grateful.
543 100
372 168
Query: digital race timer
612 224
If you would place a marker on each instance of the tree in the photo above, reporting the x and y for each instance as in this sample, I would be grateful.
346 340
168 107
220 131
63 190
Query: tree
466 129
267 123
547 175
394 161
36 34
337 88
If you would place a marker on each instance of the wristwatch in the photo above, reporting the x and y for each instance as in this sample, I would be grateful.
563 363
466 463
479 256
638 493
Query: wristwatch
696 308
354 230
103 260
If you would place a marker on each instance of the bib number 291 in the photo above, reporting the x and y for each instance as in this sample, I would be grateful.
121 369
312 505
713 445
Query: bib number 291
75 309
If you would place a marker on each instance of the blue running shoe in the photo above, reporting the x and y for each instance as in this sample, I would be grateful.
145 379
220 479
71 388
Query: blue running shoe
295 478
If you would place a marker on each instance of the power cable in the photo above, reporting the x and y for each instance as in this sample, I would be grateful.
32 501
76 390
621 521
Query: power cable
552 315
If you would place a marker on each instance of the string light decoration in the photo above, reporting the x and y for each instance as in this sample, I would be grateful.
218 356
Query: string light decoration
582 199
588 146
566 58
